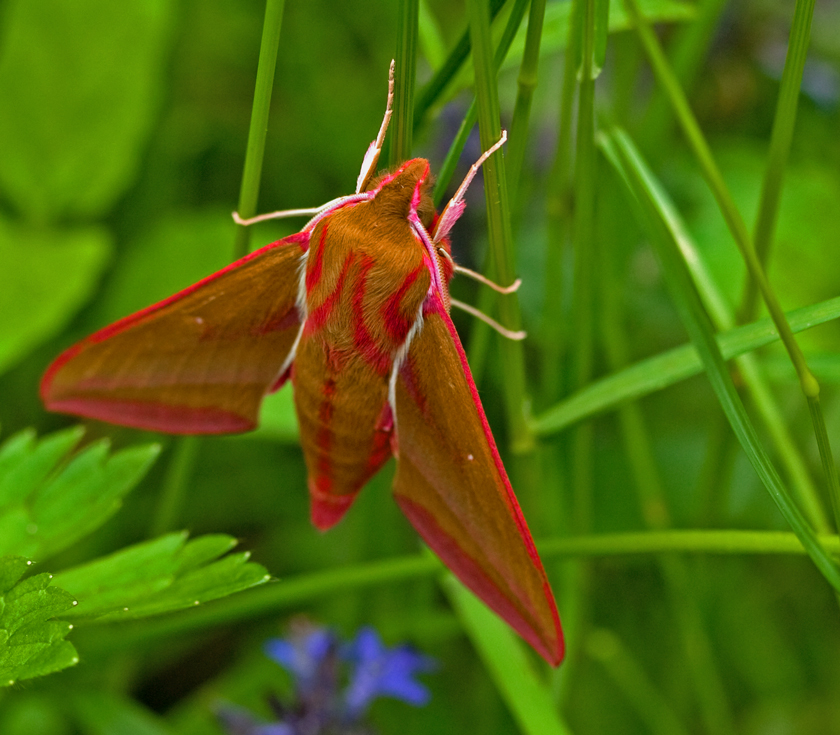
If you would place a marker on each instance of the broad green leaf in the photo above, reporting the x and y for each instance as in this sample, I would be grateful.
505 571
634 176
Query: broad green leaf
80 83
48 501
660 371
109 713
45 277
505 658
158 576
31 642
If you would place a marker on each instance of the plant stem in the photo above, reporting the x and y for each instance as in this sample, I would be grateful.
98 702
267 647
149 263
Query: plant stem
402 125
498 223
249 190
665 75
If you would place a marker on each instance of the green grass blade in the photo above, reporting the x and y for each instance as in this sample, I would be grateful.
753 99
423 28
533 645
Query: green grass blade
709 168
699 327
724 319
651 704
433 89
526 84
505 658
405 73
668 368
447 170
498 223
249 191
780 140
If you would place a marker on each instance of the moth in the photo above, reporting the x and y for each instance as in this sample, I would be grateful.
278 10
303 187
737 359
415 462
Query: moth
354 310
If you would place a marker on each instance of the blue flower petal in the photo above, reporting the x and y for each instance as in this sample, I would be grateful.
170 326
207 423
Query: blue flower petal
301 656
383 672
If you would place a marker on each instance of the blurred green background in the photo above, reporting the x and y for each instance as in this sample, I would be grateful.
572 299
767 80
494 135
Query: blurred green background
123 127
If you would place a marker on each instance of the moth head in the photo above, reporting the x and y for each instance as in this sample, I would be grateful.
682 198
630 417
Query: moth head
406 188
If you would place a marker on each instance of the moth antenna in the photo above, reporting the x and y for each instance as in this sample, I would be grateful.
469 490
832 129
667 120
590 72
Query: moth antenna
513 288
280 214
455 208
372 155
509 334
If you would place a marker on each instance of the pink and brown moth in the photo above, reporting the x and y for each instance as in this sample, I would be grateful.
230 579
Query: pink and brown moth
354 309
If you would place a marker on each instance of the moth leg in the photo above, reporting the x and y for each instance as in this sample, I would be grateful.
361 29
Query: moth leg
504 331
455 208
280 214
513 288
374 149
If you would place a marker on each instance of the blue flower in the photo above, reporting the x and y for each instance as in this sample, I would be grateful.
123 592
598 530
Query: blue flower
304 655
334 685
383 672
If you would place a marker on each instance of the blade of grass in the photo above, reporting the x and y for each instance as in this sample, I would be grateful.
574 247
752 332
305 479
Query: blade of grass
808 383
699 656
754 383
185 449
249 190
447 170
433 89
699 327
526 84
653 707
506 659
666 369
405 72
498 223
430 37
559 217
267 600
780 140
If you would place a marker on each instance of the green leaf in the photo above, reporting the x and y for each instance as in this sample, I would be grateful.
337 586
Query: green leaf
47 275
31 643
667 368
47 502
505 658
158 576
80 83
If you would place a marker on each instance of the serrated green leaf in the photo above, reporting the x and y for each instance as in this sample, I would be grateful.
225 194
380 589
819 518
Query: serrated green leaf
25 464
44 509
73 121
47 276
159 576
12 568
203 550
31 643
